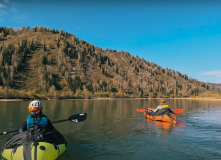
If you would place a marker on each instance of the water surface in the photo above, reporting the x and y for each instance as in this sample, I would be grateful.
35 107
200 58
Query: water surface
115 131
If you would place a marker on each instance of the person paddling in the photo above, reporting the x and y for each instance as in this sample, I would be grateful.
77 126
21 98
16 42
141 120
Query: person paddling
161 109
36 118
162 105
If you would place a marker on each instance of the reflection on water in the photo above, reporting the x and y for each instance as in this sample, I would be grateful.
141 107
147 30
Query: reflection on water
164 128
114 130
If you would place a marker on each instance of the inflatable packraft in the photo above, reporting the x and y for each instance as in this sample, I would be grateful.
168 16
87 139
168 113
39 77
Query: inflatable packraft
164 114
37 143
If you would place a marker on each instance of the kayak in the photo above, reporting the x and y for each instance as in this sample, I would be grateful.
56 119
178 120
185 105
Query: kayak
165 115
37 143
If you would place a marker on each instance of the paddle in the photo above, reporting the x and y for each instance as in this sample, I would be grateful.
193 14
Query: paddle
74 118
178 110
175 110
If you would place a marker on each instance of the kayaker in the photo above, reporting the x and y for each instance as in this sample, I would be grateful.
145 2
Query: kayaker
159 107
161 113
162 105
36 118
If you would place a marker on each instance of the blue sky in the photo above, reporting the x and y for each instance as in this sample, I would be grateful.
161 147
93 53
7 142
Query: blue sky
181 35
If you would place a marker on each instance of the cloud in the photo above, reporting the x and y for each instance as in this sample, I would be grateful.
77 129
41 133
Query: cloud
1 5
212 73
215 75
6 1
1 10
1 19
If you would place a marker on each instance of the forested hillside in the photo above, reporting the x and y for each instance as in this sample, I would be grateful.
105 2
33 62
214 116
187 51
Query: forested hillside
46 63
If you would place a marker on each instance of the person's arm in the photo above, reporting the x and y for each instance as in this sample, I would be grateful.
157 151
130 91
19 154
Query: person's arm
158 108
23 127
49 125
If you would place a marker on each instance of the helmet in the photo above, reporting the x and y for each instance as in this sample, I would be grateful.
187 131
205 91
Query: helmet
35 106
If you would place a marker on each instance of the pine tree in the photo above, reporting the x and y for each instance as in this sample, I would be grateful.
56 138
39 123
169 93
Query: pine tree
11 74
1 59
44 59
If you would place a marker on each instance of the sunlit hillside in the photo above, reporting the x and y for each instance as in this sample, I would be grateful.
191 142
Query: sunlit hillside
47 63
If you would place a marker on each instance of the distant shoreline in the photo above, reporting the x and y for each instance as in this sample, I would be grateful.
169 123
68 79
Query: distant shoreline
114 99
11 99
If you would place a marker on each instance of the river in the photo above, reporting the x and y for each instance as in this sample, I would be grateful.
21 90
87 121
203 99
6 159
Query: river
114 130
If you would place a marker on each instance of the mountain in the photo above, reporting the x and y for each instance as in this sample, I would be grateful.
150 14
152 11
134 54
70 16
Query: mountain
216 85
47 63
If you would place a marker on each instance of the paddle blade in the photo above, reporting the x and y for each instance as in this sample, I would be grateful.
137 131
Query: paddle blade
141 110
78 117
178 110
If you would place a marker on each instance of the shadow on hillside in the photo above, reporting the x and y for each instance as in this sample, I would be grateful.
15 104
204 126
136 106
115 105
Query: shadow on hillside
56 80
24 67
3 39
22 72
18 83
53 63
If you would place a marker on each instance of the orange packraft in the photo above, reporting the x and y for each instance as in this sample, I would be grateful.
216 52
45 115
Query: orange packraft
168 117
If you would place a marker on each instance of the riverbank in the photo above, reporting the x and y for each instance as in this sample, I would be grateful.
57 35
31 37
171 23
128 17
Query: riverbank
12 99
16 95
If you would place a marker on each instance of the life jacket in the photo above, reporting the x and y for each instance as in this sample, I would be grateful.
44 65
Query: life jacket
164 106
43 121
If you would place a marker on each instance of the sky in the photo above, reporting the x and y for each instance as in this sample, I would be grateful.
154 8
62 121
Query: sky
184 35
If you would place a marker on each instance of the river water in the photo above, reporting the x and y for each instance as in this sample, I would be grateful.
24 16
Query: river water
114 130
